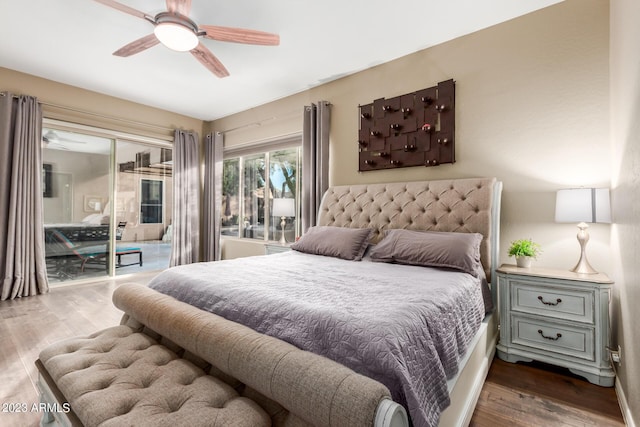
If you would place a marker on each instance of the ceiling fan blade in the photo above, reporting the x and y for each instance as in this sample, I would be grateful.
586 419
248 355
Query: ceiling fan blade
209 60
55 146
52 136
183 7
240 35
124 8
71 141
137 46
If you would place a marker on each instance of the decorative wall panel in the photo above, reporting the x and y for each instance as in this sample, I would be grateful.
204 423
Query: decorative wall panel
416 129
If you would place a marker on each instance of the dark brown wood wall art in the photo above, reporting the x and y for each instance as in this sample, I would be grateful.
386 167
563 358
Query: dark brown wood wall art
416 129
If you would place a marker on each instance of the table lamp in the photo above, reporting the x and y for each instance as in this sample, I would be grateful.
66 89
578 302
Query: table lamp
583 205
284 208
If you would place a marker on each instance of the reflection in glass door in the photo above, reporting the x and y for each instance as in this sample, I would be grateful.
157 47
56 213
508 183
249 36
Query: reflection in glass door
107 206
143 206
76 194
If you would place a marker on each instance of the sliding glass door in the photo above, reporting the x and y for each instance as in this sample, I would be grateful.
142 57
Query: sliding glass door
76 198
107 205
143 206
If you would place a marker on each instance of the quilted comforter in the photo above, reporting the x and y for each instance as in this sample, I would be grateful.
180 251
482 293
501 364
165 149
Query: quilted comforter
404 326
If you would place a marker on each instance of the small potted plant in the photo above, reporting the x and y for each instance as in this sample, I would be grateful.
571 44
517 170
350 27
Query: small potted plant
524 250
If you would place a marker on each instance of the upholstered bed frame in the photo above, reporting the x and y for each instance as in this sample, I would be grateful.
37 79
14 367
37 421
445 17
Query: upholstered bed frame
464 205
459 205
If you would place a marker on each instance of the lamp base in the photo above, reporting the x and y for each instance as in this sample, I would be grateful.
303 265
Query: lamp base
583 266
283 222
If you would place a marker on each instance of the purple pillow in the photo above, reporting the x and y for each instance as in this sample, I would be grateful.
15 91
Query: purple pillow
459 251
339 242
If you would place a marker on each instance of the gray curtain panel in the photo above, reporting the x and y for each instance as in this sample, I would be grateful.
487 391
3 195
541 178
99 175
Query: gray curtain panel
22 257
185 246
315 160
213 164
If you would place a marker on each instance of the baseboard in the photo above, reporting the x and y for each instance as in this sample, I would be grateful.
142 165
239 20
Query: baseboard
624 405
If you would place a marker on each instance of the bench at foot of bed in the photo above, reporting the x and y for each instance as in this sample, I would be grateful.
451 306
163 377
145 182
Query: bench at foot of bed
169 363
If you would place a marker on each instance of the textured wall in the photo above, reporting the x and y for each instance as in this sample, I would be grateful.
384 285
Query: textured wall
532 104
625 236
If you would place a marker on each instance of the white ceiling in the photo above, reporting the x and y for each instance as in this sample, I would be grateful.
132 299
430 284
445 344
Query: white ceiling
71 41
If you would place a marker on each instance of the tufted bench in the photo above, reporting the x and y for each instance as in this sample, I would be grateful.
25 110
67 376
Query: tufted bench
171 364
121 377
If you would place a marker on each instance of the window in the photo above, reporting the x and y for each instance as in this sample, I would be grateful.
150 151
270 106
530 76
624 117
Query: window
151 200
230 197
283 173
250 184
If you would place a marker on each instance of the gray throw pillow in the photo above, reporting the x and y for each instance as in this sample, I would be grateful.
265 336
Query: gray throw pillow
339 242
459 251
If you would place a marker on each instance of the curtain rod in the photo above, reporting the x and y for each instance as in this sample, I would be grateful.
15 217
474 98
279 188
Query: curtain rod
103 116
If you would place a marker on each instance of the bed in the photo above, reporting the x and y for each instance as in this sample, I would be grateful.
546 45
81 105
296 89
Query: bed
360 289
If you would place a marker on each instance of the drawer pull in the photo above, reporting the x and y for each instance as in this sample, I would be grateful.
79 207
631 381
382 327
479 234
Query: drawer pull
556 338
558 301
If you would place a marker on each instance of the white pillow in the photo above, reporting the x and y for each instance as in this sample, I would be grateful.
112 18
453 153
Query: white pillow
93 219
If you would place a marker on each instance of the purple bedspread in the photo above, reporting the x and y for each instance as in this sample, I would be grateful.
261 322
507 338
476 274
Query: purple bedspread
404 326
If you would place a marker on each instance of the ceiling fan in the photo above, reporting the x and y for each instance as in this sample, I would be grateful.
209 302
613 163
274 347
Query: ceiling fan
51 139
175 30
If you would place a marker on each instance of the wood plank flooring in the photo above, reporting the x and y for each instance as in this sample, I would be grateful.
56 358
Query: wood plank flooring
513 395
539 395
27 325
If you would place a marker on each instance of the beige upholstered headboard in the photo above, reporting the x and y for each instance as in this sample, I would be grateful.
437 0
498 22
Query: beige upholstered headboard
460 205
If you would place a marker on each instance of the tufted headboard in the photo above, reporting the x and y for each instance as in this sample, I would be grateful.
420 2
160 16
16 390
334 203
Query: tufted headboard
460 205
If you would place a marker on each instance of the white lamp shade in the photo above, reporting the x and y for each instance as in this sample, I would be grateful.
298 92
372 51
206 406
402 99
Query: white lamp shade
583 205
284 207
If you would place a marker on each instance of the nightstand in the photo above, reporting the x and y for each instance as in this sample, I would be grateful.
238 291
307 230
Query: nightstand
275 247
557 317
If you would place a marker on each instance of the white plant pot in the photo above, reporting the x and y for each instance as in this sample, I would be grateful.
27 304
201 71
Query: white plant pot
523 261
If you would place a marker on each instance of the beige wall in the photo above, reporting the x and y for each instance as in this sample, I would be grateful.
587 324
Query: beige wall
95 109
625 236
532 105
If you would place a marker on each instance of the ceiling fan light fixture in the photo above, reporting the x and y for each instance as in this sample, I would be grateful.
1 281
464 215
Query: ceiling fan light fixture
176 31
175 36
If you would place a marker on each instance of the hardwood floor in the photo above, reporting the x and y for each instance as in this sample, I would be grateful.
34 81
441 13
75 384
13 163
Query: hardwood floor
513 395
27 325
540 395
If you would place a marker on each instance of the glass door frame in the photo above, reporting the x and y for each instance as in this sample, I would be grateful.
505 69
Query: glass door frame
115 136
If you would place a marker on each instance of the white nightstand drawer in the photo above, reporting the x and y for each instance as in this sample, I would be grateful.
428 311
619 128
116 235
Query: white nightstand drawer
568 304
555 337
